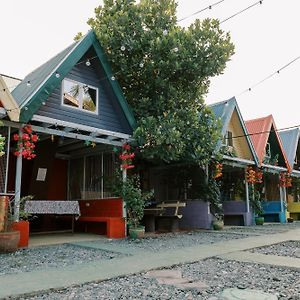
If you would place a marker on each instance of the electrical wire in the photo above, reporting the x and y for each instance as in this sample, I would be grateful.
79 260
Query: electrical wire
263 132
195 13
269 76
241 11
201 10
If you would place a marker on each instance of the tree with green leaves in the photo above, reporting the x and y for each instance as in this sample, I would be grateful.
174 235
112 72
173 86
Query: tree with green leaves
164 71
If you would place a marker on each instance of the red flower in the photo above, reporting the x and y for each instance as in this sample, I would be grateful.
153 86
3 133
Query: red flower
126 146
34 138
25 137
15 137
27 129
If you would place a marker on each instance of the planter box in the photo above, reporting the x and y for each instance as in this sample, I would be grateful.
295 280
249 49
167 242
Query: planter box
23 228
9 241
196 215
235 213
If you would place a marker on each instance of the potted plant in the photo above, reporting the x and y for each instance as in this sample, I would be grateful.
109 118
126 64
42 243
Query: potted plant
255 200
135 201
213 196
9 238
23 224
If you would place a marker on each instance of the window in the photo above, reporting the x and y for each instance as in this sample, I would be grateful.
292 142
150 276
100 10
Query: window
79 95
268 151
228 141
91 177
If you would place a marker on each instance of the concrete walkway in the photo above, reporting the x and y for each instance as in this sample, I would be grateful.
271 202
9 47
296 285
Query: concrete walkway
22 283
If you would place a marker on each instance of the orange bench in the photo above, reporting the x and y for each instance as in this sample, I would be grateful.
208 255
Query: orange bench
109 211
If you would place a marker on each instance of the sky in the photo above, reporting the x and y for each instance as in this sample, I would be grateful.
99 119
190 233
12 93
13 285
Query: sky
266 37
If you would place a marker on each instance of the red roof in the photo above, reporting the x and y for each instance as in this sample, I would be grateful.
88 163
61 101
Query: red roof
263 126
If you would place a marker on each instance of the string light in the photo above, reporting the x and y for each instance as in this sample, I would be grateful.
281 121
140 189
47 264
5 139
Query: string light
165 32
201 10
269 76
241 11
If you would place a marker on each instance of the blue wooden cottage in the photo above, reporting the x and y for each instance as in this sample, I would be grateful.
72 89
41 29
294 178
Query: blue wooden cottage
291 144
75 105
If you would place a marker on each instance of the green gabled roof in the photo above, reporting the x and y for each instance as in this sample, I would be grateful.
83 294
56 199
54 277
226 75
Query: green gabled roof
43 80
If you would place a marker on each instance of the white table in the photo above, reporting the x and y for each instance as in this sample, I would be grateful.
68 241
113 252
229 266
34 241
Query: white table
56 207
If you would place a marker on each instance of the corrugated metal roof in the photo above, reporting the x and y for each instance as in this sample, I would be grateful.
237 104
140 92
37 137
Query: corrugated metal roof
259 130
290 139
43 80
23 91
8 102
223 111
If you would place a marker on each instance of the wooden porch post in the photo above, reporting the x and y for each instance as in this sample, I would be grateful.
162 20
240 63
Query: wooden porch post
124 177
282 197
247 193
18 186
7 158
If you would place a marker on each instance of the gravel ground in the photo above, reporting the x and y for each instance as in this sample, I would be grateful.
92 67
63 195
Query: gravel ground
171 241
289 248
38 258
217 274
268 228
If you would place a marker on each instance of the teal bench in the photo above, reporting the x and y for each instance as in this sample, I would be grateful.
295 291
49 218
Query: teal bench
274 212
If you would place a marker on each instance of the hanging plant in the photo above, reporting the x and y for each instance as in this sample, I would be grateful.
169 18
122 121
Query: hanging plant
218 170
2 145
285 180
254 176
26 142
126 157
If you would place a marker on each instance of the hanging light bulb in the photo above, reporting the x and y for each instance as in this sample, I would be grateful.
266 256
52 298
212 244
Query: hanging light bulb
123 48
88 63
165 32
175 49
113 78
141 64
28 83
57 75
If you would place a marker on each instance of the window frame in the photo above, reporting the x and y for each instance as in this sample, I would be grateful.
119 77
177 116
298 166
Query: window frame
80 108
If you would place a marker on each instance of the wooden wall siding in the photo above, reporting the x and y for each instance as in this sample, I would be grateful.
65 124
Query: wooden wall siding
241 145
110 116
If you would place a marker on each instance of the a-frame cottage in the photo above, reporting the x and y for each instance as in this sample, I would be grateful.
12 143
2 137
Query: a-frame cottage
273 160
291 144
76 107
239 154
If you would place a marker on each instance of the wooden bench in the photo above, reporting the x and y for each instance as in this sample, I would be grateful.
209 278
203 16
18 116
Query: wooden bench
273 211
168 218
294 210
108 211
235 213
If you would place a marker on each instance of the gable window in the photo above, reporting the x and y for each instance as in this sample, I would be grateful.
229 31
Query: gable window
228 140
268 151
79 95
